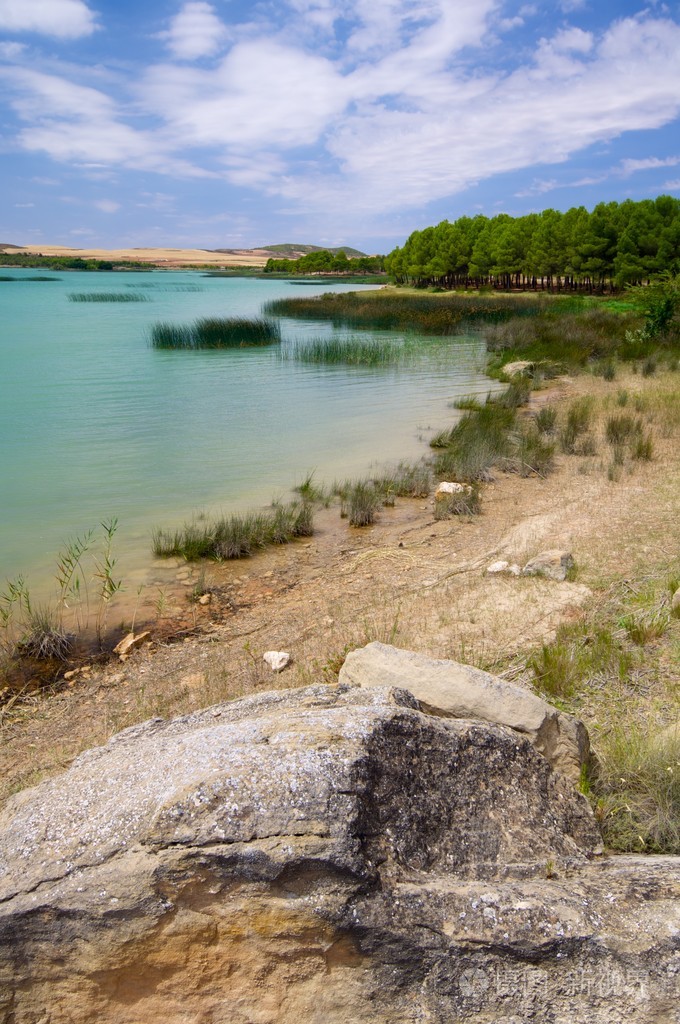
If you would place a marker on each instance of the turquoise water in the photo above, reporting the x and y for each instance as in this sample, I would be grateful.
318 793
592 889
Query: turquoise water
95 423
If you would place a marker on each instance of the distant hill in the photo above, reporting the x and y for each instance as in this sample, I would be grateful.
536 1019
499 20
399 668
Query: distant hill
8 245
293 251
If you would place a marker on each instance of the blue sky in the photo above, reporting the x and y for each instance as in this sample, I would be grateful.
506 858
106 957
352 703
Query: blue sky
218 123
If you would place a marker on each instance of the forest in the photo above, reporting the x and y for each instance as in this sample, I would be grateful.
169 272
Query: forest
614 245
321 261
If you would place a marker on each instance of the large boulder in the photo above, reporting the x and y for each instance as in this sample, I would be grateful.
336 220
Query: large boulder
323 855
453 690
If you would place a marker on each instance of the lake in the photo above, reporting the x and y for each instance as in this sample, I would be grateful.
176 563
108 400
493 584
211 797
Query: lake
95 423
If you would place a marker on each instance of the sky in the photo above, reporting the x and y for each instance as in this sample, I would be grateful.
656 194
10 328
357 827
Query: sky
226 124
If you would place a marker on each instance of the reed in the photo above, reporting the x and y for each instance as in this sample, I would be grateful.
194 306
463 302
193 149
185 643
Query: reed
427 314
238 535
353 351
216 332
107 297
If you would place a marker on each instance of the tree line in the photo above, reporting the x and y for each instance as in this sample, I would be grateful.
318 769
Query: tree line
321 261
614 245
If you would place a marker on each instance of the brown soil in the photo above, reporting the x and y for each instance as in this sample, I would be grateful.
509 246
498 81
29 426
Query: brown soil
408 580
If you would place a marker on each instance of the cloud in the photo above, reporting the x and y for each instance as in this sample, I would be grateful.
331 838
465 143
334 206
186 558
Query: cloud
24 206
195 32
673 186
66 19
107 205
11 51
649 163
394 104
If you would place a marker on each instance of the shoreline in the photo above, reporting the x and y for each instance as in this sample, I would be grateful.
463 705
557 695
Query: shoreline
408 580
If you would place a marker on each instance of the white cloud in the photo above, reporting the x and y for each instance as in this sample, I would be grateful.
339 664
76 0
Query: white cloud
24 206
66 19
11 51
195 32
673 186
647 164
396 118
107 205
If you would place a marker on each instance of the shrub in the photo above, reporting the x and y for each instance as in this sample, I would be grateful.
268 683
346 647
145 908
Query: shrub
577 423
237 535
546 418
621 427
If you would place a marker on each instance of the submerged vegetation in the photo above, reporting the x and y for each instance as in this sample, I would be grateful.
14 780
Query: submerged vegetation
216 332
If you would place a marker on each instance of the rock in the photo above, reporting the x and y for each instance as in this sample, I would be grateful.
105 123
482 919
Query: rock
554 565
453 690
448 487
129 642
520 368
330 857
205 599
675 602
503 567
277 660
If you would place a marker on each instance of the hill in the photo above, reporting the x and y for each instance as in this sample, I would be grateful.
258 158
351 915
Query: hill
293 251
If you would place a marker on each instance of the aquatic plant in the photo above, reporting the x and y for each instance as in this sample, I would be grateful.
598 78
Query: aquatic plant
107 297
237 535
216 332
354 351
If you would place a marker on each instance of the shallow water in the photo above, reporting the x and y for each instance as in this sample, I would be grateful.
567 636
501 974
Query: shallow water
95 423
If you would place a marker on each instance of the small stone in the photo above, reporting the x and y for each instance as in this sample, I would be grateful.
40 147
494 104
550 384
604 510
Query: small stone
503 567
277 660
205 599
553 564
72 674
129 642
675 602
449 487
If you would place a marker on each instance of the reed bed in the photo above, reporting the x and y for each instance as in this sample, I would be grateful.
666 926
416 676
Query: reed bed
237 535
107 297
353 351
426 314
33 277
216 332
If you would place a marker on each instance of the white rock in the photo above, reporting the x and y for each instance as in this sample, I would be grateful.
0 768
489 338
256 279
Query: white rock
452 690
277 660
503 567
447 487
675 601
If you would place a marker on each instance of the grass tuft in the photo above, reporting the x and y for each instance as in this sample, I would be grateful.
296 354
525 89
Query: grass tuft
238 535
107 297
216 332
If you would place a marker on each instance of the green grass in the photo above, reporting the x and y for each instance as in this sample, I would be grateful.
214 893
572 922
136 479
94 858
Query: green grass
107 297
216 333
481 438
427 314
236 536
578 421
355 351
638 788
